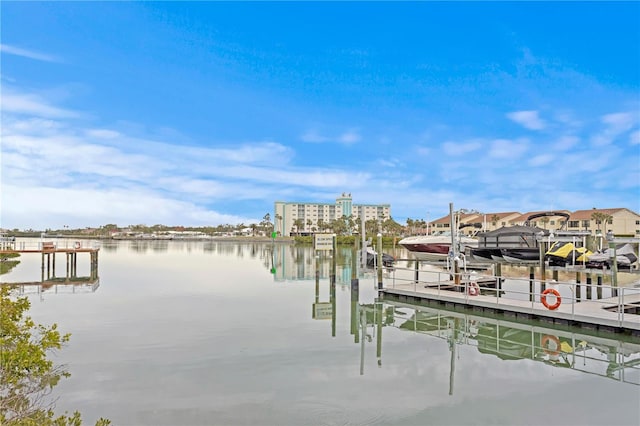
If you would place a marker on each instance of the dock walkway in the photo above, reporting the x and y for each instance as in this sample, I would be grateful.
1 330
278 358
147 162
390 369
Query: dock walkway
616 314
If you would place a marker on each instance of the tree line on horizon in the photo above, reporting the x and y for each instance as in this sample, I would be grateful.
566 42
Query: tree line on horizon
345 225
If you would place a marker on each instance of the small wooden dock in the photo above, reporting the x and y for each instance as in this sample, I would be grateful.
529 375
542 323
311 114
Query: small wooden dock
48 251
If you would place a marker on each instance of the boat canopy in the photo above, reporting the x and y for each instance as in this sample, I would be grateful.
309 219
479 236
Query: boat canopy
511 236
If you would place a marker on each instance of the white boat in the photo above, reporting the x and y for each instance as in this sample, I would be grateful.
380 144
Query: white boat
435 247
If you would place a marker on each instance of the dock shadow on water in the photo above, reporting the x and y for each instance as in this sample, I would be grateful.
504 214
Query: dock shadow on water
215 333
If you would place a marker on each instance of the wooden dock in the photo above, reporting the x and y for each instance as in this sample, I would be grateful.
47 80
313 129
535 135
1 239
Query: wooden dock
48 251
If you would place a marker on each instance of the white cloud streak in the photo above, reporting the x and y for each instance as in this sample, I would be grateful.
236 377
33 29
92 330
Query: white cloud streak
34 105
348 137
615 125
25 53
460 148
528 119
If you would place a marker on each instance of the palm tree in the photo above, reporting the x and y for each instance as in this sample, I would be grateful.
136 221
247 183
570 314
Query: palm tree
410 225
278 219
600 218
298 223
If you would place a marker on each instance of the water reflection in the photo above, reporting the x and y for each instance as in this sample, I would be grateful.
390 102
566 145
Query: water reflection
223 333
615 358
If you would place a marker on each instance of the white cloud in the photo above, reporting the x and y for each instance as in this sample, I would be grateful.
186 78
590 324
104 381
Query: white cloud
527 119
389 162
423 151
348 137
56 207
102 133
565 143
616 124
32 104
541 160
507 149
458 148
55 170
312 136
25 53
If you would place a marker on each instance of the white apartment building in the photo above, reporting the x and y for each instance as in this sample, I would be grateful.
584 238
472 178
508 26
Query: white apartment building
309 215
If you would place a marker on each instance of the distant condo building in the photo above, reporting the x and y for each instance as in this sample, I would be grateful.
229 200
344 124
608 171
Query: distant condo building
307 218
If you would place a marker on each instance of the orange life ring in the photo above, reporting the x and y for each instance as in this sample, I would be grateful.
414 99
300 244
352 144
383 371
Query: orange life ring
77 245
543 299
544 342
473 289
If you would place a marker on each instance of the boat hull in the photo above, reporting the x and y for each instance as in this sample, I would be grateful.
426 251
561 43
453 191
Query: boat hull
520 255
433 247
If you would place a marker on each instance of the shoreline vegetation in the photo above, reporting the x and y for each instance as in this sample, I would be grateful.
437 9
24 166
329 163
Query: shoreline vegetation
341 240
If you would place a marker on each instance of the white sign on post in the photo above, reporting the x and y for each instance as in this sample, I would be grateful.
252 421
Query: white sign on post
323 242
323 310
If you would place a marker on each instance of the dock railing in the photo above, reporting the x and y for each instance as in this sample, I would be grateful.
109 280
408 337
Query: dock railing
54 244
564 299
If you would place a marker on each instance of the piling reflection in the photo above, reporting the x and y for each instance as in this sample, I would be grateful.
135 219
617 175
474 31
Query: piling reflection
617 359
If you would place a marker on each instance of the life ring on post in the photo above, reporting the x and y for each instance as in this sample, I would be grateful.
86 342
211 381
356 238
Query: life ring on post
544 343
473 289
543 299
76 245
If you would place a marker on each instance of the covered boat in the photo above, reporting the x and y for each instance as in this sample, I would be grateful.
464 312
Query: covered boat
513 244
625 256
566 253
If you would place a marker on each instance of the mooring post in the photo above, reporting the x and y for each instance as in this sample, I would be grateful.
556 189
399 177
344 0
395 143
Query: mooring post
363 325
380 261
42 268
498 278
416 272
578 295
355 292
379 311
531 283
614 269
333 286
599 288
54 265
543 275
317 277
333 306
589 286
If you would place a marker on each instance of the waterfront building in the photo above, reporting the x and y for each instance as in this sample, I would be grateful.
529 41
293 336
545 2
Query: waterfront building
620 221
307 218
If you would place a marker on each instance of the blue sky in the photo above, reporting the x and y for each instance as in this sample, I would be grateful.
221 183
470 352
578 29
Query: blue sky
202 113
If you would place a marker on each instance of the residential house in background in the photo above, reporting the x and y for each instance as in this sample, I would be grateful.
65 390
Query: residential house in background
621 221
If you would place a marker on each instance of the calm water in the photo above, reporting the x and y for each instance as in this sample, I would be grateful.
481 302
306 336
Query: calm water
190 333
